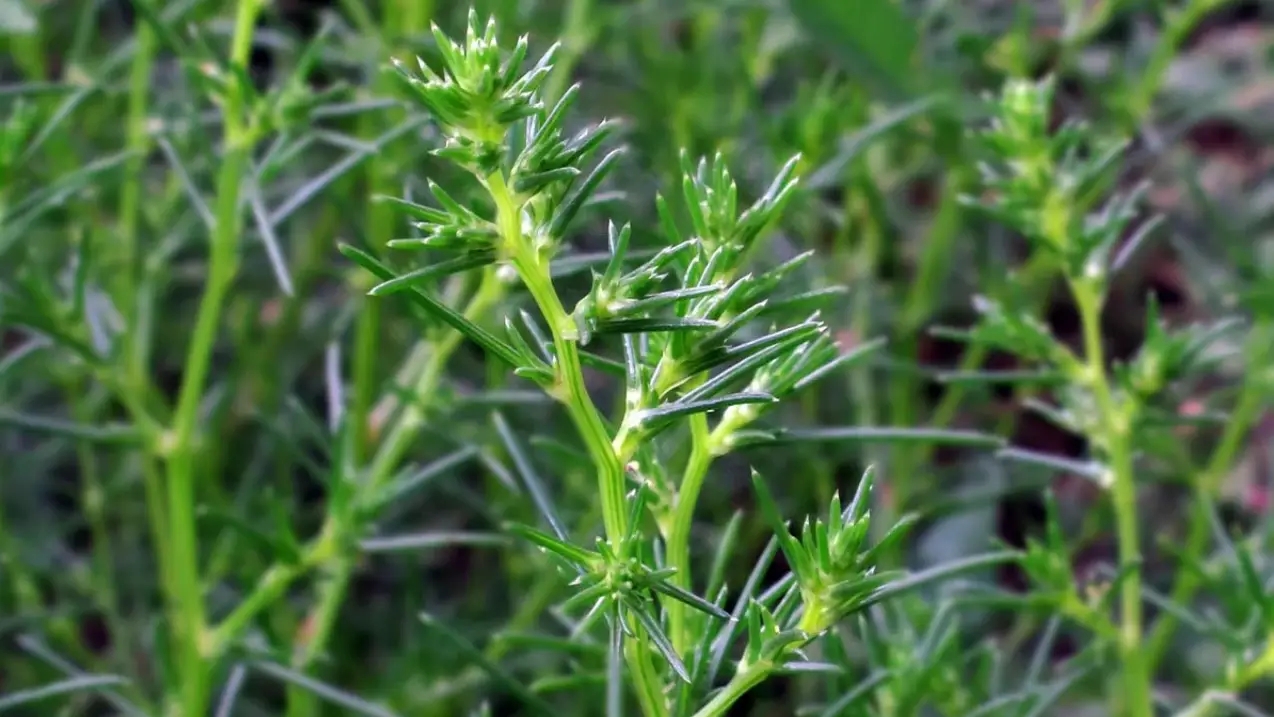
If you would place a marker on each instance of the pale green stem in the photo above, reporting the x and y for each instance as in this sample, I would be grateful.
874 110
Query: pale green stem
678 538
569 389
180 445
1117 426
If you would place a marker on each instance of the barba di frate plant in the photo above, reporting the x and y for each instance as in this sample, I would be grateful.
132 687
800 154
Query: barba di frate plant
705 345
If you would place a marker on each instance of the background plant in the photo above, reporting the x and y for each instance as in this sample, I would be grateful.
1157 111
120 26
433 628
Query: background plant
237 479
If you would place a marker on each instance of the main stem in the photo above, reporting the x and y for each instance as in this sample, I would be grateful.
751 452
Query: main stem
1116 422
131 295
570 390
186 594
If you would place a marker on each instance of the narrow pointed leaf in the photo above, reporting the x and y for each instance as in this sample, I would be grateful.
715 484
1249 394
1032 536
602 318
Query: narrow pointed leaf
433 271
572 553
69 686
884 434
448 315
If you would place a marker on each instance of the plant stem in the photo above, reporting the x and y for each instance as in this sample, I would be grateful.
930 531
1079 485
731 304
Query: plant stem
1174 33
678 538
401 19
128 292
131 191
570 389
180 445
739 685
577 35
1116 424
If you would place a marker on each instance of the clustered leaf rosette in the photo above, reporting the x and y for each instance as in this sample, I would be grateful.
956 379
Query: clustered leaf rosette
689 313
479 93
1048 184
617 582
495 124
833 567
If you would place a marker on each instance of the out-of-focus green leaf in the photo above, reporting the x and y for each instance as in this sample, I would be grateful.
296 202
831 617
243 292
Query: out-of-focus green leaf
873 39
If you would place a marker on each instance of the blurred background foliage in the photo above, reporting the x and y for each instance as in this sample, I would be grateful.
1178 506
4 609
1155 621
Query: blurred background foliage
877 97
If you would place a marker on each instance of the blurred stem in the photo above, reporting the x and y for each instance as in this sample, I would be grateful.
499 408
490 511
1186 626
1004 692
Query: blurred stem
1227 451
180 444
339 564
577 34
1116 422
402 19
916 311
129 294
93 500
1176 29
138 144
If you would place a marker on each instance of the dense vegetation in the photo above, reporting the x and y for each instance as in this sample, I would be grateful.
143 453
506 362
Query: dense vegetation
408 358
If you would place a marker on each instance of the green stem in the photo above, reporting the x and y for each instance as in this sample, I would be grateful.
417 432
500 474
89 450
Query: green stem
577 35
739 685
1117 425
570 390
401 19
180 445
131 190
128 291
678 538
1174 33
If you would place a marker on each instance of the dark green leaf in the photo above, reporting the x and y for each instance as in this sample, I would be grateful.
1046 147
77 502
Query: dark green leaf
883 434
874 40
570 552
324 691
679 409
104 434
652 324
429 540
434 271
945 571
689 598
497 674
271 546
661 642
534 484
792 550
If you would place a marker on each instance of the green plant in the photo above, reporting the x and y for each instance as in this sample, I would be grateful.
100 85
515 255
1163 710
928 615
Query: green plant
295 345
690 349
